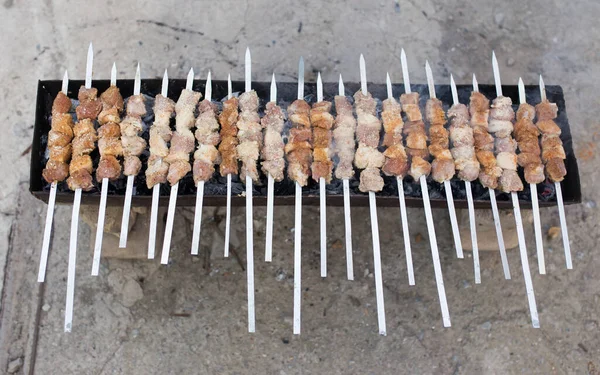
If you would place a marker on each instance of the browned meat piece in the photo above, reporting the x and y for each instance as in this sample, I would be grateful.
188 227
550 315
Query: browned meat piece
299 149
81 162
531 145
510 181
110 146
392 122
410 106
463 150
555 168
60 153
132 166
370 180
111 98
58 139
61 104
546 111
203 171
322 122
486 159
525 112
528 158
157 170
108 167
489 177
483 140
396 162
534 173
55 171
84 143
321 138
462 136
420 153
136 106
89 105
320 116
507 160
506 145
434 112
133 146
419 167
109 115
80 179
479 109
442 169
343 135
438 135
549 153
227 148
524 128
368 157
416 140
548 127
109 130
249 136
367 131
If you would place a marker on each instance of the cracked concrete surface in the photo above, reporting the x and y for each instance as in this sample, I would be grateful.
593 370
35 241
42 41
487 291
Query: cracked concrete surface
190 317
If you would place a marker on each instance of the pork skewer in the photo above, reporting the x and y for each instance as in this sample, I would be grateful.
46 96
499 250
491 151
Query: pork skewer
109 145
250 142
206 156
298 152
158 168
527 136
182 145
370 160
80 170
420 168
442 168
227 148
321 122
489 170
465 161
396 164
553 155
273 163
501 117
133 146
343 134
57 168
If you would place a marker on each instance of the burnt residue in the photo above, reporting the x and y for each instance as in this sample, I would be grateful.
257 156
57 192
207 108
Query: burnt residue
216 189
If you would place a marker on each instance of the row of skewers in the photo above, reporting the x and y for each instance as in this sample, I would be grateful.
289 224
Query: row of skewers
477 144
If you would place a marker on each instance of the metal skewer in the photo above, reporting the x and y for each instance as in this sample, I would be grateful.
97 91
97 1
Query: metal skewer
520 233
534 203
200 187
130 180
403 215
559 201
447 186
469 190
429 218
270 188
298 226
50 212
374 228
228 212
102 207
249 221
497 224
322 198
164 259
75 220
156 189
347 216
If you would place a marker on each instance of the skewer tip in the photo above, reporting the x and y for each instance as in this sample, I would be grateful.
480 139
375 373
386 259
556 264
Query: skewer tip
319 88
190 79
113 74
208 87
405 76
363 75
454 90
65 83
229 89
542 88
88 67
430 83
165 84
522 97
301 78
273 97
137 82
388 83
475 83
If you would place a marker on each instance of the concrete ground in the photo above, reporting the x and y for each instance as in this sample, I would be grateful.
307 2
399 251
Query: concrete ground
190 317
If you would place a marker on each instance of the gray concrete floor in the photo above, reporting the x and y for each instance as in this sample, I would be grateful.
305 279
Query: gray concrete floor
139 318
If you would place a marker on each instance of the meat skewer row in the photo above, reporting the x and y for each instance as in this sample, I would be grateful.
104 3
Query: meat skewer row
479 108
442 168
57 168
158 167
501 117
553 155
527 136
228 150
273 163
250 138
343 136
206 155
370 160
396 164
321 121
80 170
133 147
465 161
109 145
298 152
182 145
416 148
